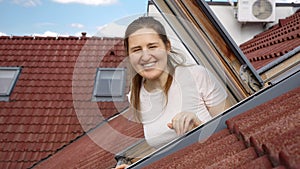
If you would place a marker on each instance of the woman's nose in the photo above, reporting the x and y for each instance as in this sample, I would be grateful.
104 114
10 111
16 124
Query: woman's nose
145 55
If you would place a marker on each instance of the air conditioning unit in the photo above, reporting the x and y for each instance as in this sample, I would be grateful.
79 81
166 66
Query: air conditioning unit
256 10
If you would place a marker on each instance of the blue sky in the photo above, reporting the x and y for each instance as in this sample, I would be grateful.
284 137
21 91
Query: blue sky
70 17
64 17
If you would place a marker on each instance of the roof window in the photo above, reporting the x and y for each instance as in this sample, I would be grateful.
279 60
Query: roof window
109 84
8 78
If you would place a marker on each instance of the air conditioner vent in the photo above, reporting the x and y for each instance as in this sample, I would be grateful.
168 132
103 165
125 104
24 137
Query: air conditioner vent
256 10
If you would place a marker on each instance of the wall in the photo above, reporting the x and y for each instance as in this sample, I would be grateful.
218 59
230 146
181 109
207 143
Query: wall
242 32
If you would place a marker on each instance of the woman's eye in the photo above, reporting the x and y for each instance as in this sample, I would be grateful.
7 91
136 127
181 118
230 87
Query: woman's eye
152 47
136 50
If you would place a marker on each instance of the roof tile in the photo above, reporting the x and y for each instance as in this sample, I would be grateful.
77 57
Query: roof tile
41 117
288 158
259 163
273 133
287 142
236 160
275 42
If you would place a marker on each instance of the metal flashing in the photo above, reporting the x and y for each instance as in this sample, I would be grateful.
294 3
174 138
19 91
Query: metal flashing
279 60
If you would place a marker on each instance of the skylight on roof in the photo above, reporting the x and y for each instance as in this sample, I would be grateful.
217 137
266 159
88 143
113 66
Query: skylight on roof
8 78
110 84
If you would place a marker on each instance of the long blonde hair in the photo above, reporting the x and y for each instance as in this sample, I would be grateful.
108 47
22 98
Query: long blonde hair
173 61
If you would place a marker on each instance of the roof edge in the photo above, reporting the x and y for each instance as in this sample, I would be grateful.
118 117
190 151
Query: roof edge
278 60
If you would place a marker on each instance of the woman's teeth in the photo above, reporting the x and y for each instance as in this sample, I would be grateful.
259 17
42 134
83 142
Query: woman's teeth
148 65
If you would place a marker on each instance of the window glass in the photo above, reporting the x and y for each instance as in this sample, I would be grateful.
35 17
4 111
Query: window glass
110 84
8 77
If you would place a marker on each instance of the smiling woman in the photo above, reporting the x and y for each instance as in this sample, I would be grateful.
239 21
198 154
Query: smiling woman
148 56
167 96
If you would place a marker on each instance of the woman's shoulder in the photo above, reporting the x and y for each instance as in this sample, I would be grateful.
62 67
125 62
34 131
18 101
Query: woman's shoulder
196 72
193 68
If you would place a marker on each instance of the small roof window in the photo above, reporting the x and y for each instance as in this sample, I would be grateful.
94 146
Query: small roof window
109 84
8 78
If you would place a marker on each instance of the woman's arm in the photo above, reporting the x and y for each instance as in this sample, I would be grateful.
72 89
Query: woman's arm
123 166
184 122
215 110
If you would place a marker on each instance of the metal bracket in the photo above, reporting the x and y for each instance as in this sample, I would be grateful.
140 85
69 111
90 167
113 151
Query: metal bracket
123 160
247 78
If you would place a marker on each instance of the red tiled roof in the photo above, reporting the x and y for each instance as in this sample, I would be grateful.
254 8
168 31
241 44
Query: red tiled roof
51 105
273 43
259 138
98 148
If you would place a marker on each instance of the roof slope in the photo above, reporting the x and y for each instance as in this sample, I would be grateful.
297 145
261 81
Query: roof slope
51 106
275 42
97 149
254 139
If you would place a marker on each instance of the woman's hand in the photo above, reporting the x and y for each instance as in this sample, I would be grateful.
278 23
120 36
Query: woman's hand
184 122
123 166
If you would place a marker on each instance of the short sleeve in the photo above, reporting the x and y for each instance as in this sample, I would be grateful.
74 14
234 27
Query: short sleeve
209 88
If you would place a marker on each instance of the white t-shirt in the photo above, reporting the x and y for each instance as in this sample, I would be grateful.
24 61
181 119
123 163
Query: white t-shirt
193 88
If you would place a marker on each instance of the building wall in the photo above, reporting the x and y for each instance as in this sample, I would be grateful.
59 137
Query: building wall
242 32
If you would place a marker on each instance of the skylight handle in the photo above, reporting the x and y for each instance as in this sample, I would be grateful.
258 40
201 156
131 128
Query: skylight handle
247 78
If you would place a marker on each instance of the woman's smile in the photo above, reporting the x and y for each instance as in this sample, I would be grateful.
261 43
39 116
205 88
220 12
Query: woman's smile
148 54
149 65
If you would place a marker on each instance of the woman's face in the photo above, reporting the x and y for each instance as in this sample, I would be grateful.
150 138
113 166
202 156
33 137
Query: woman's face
148 54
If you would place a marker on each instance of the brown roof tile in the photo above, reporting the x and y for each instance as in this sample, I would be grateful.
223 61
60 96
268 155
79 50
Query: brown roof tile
96 149
236 160
258 163
286 145
40 117
261 138
273 43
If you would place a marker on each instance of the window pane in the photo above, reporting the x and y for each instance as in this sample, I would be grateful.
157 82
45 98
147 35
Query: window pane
103 88
109 83
7 78
106 74
117 87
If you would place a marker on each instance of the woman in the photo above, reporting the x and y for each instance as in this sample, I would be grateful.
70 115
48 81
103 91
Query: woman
168 97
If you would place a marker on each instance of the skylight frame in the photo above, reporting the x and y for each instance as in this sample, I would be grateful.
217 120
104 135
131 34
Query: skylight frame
119 96
5 95
221 54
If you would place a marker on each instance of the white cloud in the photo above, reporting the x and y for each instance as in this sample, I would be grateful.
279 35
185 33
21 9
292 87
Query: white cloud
27 3
49 33
1 33
77 25
55 34
88 2
111 30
